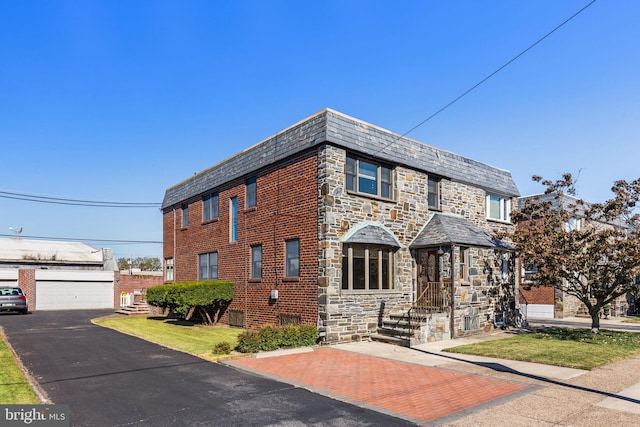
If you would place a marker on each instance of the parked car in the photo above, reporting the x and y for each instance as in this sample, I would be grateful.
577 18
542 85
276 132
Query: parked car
13 299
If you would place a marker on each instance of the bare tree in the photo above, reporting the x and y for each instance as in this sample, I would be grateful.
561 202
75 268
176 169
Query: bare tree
596 262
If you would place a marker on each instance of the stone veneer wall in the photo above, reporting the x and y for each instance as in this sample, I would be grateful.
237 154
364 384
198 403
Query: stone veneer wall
354 315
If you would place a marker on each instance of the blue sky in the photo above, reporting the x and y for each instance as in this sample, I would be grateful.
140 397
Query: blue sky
119 100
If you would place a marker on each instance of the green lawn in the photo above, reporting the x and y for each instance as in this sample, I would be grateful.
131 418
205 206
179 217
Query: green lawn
632 320
14 388
176 334
573 348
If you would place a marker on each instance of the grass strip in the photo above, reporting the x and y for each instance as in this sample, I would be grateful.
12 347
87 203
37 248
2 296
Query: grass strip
14 387
567 347
181 335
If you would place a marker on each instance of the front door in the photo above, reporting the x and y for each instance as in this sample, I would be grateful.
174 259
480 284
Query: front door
428 269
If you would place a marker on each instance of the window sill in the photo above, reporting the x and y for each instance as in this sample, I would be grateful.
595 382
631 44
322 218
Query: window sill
251 209
210 221
501 221
370 196
254 280
369 291
184 228
291 279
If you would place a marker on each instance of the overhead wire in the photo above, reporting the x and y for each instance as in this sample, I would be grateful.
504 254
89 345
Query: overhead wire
506 64
75 202
77 239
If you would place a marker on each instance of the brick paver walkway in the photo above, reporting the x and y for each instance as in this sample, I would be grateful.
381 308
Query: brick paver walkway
417 392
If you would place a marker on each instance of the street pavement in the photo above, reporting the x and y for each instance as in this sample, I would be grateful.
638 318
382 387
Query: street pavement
112 379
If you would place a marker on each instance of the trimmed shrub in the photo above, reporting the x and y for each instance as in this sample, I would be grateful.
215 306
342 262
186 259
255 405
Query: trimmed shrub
290 336
271 338
248 342
186 298
308 335
223 347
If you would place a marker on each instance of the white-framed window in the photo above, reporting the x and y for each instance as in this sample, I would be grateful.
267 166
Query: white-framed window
498 208
367 177
185 215
256 262
367 267
464 262
292 258
168 269
208 266
251 189
433 193
210 207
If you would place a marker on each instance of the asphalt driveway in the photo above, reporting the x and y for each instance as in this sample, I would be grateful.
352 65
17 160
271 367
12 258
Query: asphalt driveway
112 379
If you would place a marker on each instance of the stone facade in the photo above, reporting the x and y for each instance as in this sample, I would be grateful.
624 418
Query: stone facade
354 315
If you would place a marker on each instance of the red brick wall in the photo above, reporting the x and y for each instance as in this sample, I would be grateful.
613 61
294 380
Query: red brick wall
287 208
27 282
541 295
130 283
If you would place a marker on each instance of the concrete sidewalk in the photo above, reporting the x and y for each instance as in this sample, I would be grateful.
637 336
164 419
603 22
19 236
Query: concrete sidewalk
554 396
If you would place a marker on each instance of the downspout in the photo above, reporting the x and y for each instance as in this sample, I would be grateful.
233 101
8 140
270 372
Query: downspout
452 291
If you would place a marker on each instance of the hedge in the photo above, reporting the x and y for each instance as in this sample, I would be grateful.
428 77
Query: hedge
185 298
270 338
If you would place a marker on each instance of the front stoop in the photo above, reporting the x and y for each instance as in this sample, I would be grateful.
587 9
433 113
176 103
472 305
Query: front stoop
400 329
136 308
395 330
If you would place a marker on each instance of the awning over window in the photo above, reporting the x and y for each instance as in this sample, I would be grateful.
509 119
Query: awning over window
444 230
371 233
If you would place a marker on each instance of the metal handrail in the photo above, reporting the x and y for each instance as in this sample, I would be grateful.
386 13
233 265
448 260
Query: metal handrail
433 298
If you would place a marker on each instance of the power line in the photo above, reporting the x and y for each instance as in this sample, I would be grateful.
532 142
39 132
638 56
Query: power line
75 202
465 93
74 239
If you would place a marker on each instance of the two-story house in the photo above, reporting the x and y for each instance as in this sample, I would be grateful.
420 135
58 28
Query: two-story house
341 224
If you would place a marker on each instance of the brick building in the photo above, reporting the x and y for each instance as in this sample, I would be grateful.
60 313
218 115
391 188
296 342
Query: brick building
341 224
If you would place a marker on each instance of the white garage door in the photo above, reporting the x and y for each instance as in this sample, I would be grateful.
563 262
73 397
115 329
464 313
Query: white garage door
9 277
53 293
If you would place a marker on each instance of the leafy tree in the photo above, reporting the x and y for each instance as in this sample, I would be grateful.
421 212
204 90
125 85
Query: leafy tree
207 298
143 263
597 262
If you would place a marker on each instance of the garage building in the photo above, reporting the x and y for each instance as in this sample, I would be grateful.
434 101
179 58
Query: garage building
60 275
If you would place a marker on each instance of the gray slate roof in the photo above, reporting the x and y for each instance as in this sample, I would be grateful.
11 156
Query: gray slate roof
371 233
332 127
444 230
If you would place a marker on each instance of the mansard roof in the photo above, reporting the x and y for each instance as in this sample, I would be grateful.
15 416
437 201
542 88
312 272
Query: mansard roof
331 127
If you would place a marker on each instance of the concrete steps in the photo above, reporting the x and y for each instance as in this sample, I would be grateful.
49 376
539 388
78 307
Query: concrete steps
135 308
397 329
